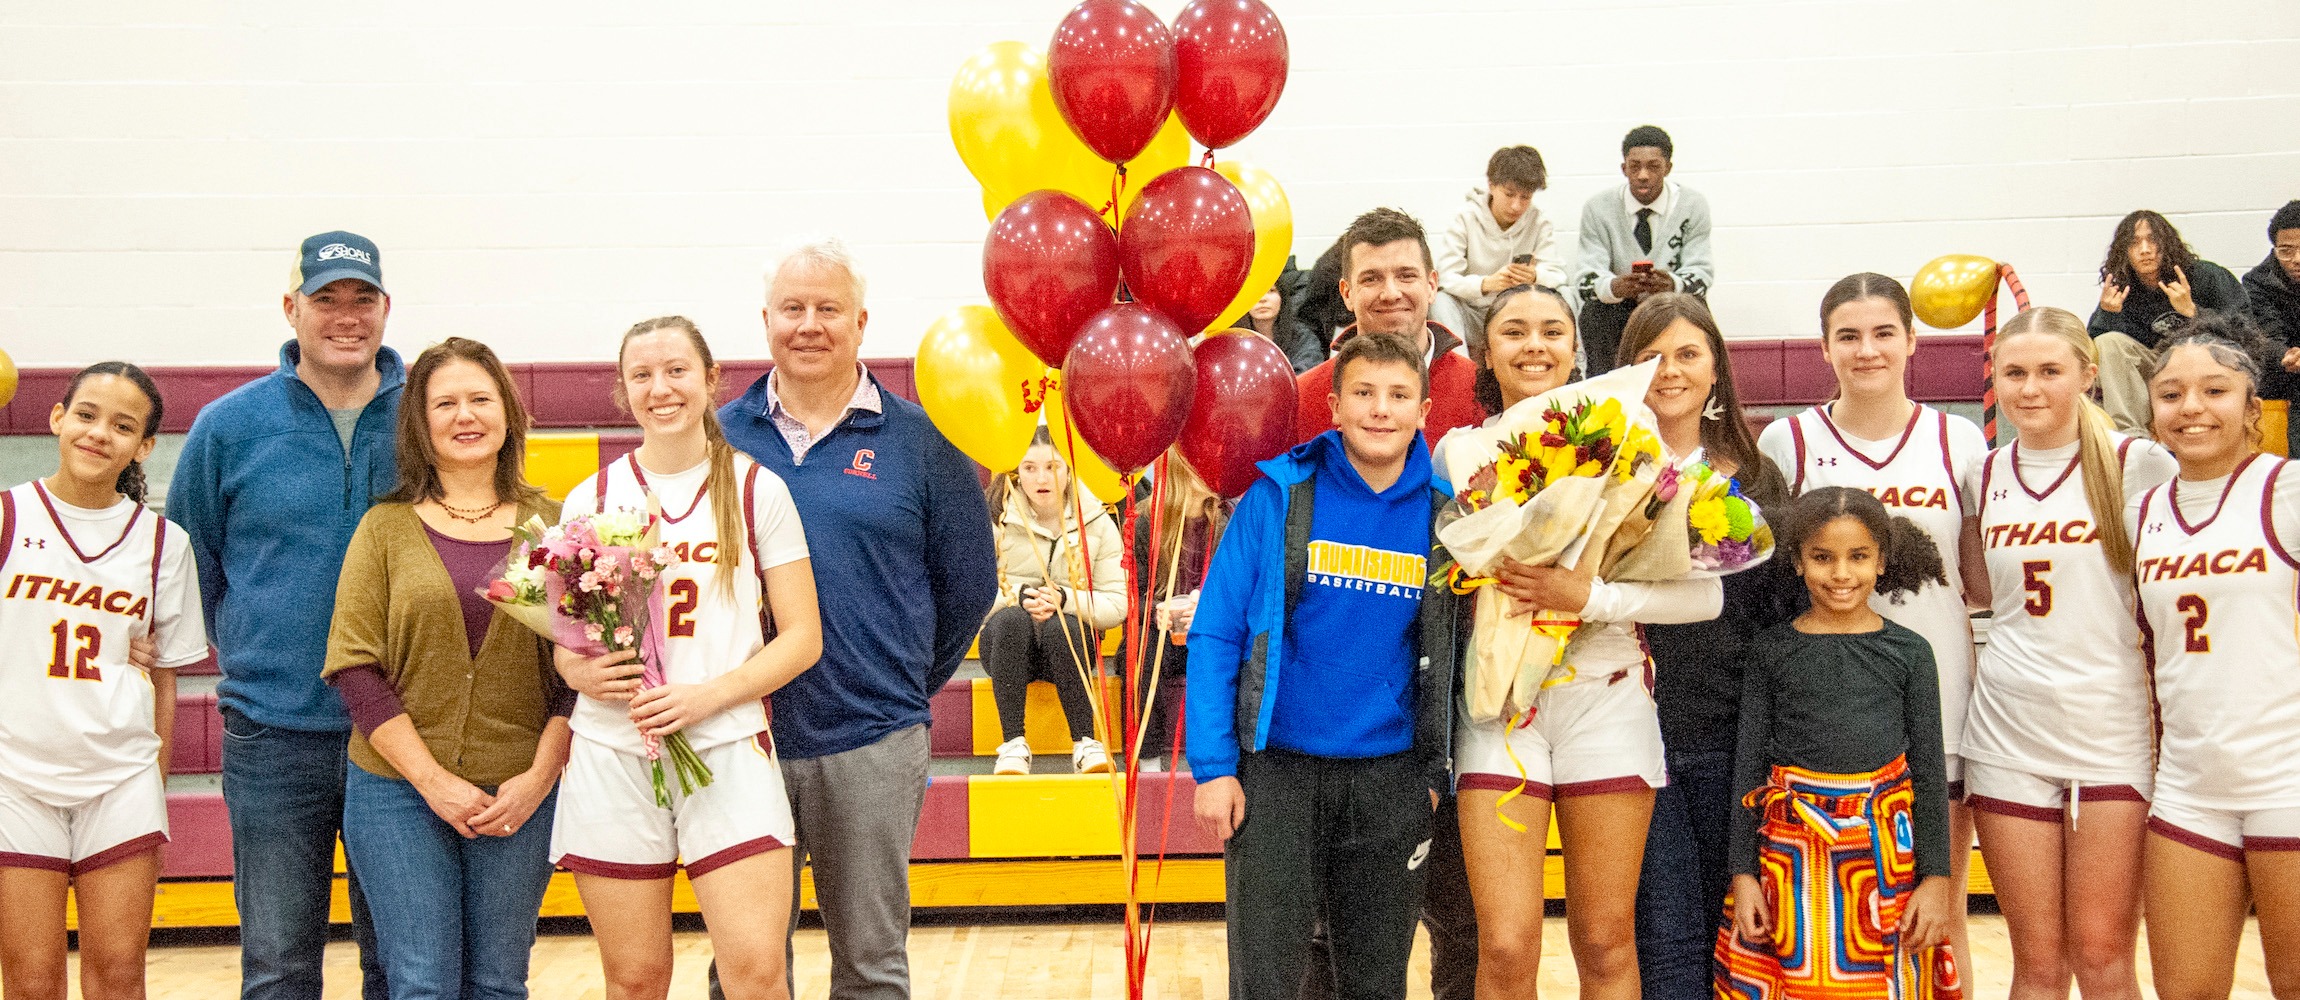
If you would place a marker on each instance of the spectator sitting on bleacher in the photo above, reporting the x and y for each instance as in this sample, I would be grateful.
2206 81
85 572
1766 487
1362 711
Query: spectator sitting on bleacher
2272 291
1052 603
1497 240
1650 221
2151 284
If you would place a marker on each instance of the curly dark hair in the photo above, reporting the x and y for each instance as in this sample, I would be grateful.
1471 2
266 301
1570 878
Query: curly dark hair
131 480
2172 252
1910 558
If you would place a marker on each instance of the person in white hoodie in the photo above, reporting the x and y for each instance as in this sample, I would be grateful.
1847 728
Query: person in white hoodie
1497 240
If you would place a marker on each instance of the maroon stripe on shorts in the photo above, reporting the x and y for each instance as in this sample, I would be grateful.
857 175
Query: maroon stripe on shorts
1502 783
618 870
2109 793
2188 838
2272 843
2016 810
11 859
1602 786
118 852
748 848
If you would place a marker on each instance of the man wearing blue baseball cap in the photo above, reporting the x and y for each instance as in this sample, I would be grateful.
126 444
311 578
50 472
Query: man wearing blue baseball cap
273 478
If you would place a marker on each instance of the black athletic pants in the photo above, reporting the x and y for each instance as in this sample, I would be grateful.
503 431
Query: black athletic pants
1016 651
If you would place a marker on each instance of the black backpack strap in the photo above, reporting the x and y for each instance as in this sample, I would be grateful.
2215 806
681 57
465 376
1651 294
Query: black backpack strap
7 525
1301 499
751 541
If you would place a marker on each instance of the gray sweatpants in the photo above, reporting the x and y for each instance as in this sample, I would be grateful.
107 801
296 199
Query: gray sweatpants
856 814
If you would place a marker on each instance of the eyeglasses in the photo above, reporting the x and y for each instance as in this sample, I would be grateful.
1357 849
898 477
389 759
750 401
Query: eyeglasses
2287 252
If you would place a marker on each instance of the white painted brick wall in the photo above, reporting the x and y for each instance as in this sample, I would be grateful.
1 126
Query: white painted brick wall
542 175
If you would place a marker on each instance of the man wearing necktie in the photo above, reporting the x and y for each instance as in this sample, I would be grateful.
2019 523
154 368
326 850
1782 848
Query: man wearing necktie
1647 236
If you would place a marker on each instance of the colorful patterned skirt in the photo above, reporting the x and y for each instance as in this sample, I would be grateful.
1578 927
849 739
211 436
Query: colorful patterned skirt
1837 854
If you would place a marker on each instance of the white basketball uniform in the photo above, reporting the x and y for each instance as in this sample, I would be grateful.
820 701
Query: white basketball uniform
80 783
607 822
2217 586
1924 475
2060 706
1598 732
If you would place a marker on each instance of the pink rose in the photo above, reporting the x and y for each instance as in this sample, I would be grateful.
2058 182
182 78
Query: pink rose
501 590
589 582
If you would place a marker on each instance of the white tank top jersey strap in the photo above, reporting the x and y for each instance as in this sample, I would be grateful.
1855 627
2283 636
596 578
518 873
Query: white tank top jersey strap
75 586
1926 475
710 628
2061 689
2220 609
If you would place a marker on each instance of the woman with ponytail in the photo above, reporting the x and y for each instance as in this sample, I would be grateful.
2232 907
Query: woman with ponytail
2058 746
739 622
101 608
2215 559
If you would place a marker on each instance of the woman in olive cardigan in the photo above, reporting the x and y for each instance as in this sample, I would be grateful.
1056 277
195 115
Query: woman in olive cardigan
459 720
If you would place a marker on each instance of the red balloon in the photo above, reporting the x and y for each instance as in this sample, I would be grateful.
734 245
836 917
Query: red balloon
1128 383
1050 263
1232 57
1242 413
1186 245
1111 67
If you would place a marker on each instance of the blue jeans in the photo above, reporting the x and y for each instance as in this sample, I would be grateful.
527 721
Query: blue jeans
283 789
1681 892
454 918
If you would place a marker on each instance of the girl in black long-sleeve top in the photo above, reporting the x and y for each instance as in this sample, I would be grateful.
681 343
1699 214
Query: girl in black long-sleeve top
1840 856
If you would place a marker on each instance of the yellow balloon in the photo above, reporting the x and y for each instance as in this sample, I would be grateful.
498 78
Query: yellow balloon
992 124
7 378
1067 165
1952 289
1092 472
980 386
1273 236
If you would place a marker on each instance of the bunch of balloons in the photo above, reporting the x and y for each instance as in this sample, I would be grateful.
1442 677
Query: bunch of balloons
1097 283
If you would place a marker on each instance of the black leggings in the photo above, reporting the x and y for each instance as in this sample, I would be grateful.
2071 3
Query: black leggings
1016 651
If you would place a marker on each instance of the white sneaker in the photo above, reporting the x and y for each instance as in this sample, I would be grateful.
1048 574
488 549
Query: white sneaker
1013 757
1087 757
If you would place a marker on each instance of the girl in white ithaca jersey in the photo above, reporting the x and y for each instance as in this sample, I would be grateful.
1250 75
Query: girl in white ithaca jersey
1591 747
2059 746
86 573
1920 463
2215 554
738 539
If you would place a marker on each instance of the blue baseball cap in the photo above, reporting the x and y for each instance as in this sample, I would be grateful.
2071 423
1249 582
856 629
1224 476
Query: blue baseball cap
331 257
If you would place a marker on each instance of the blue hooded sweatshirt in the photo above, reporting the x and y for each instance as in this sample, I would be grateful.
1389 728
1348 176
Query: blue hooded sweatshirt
270 497
904 562
1346 674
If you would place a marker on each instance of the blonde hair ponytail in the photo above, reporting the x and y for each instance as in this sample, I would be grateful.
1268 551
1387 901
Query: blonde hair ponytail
2096 452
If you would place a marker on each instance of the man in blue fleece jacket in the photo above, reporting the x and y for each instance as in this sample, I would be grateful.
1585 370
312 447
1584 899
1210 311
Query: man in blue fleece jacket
1321 677
273 479
901 539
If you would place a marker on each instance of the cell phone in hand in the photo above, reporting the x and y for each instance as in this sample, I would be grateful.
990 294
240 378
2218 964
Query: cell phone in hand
1641 267
1523 258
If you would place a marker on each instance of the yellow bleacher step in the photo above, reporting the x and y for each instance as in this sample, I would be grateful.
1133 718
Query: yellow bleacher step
1042 815
1043 723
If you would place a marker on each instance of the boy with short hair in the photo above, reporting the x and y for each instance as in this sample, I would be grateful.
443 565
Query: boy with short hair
1321 684
1480 254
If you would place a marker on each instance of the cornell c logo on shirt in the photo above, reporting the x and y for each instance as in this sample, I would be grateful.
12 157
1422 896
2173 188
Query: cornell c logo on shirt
864 457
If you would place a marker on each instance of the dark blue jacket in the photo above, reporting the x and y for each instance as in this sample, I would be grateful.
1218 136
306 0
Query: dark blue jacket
1238 642
270 498
905 568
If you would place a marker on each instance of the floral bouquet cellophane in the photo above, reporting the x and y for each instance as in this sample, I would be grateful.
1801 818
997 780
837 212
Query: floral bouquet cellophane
593 585
1558 474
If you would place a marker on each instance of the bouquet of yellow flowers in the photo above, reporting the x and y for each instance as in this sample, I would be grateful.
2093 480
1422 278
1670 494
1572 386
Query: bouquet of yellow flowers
1555 476
1702 526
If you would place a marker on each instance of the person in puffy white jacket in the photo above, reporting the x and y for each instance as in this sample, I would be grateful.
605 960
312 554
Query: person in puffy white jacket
1497 224
1060 585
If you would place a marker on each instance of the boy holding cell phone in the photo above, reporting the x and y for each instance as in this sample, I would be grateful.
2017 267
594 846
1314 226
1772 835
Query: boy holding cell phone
1499 239
1649 235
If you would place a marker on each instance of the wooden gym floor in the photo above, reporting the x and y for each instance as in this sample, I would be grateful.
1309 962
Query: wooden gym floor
1013 958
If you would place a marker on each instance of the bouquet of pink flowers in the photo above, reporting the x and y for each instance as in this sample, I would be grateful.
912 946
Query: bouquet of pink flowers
593 585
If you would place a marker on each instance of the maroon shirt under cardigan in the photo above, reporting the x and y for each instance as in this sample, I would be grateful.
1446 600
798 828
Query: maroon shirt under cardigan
471 565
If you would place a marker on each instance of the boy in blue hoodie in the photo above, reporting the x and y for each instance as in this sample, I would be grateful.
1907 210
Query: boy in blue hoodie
1320 687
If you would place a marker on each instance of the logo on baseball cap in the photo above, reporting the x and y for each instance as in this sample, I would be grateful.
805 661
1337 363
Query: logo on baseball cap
331 257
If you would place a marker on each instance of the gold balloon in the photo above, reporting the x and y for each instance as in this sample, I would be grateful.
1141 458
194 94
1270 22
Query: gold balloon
1092 472
979 385
1273 236
7 378
1952 289
991 121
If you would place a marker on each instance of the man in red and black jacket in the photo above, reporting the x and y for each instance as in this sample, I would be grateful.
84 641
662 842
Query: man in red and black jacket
1388 280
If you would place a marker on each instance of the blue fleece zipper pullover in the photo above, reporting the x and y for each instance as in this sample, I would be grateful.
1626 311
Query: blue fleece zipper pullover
1337 678
900 537
270 497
